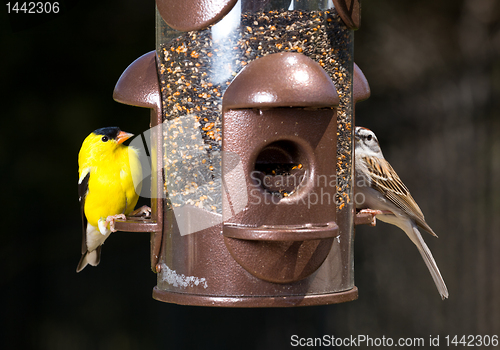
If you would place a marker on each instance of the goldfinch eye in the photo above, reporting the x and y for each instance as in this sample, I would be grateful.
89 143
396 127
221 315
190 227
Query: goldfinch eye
105 139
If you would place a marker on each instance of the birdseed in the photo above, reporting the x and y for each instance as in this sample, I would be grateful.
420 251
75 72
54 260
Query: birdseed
197 67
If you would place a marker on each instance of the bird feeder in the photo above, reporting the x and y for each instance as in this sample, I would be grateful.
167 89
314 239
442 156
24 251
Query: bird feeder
251 146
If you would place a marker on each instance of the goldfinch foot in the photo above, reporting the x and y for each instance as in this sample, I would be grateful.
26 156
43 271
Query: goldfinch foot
111 221
144 211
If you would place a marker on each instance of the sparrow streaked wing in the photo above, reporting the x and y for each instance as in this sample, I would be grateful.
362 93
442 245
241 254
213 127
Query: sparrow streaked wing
386 181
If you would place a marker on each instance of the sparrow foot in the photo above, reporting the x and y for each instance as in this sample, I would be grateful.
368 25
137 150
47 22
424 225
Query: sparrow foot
111 221
144 211
373 213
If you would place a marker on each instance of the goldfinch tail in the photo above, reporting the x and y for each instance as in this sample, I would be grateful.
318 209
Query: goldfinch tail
93 258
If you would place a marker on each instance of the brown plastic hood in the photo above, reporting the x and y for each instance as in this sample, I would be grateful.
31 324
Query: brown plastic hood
281 80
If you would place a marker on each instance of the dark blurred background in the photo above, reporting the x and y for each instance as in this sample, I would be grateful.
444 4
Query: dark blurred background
434 71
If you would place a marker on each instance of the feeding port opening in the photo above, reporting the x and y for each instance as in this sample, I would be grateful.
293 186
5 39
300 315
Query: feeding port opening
280 168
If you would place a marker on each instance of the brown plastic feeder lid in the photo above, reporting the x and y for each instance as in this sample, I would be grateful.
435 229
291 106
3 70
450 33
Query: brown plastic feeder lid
281 80
189 15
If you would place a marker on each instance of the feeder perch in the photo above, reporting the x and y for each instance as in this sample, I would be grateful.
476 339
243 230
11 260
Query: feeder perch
251 149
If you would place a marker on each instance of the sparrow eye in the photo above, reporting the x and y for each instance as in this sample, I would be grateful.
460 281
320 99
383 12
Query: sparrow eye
369 137
105 139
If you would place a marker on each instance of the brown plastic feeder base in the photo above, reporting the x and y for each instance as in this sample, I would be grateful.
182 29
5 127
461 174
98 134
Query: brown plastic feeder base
245 301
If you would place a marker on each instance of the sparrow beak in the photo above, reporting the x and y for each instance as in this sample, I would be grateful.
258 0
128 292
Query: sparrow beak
123 136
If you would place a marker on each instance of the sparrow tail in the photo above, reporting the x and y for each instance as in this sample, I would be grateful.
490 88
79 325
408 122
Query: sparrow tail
430 262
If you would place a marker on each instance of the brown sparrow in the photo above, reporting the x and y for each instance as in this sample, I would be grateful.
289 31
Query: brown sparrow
384 195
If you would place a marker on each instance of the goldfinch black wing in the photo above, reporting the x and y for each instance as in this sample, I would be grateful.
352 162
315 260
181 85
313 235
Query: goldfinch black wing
83 189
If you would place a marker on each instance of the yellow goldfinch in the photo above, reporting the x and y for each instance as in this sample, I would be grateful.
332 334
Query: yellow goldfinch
108 171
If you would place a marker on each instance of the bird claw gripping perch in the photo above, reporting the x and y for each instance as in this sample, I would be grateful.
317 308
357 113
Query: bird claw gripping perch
143 211
374 213
111 221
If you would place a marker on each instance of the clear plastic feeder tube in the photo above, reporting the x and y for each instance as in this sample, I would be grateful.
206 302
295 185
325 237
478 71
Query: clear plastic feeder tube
196 67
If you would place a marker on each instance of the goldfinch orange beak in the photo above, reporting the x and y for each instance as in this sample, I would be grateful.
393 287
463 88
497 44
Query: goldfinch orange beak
123 136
